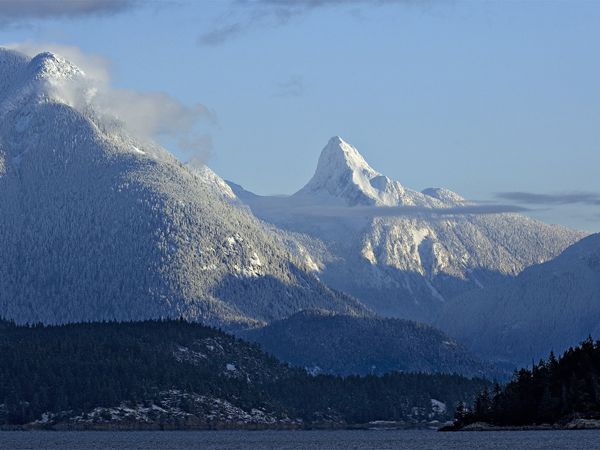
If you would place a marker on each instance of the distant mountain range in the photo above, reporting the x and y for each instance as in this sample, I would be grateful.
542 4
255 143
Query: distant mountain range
549 306
401 252
96 224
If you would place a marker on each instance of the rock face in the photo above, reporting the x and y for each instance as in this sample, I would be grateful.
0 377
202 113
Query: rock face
98 225
342 345
400 251
172 410
549 306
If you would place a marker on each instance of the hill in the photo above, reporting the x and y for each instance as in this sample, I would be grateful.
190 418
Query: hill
343 345
174 375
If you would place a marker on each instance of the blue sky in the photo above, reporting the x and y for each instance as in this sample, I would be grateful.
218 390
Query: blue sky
479 97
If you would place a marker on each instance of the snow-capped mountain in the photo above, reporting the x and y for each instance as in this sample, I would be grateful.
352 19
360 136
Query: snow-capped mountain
96 224
343 176
549 306
399 250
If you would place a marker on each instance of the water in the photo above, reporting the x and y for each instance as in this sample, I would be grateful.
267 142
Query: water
302 440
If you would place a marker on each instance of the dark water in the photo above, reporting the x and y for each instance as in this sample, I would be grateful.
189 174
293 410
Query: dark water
302 440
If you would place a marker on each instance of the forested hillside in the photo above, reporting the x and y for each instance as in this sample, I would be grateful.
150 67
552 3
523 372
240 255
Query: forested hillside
175 374
324 342
98 225
554 391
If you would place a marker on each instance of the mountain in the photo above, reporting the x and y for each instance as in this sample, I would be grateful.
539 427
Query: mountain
343 345
402 252
343 176
180 375
96 224
549 306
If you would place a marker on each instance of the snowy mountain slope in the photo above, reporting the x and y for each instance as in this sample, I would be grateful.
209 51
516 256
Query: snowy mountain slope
389 245
96 225
550 306
344 177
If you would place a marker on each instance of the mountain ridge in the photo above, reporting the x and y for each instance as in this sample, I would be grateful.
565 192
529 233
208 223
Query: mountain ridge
325 342
96 224
411 264
559 299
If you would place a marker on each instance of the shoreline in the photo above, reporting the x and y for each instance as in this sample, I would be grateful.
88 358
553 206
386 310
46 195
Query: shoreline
575 424
372 426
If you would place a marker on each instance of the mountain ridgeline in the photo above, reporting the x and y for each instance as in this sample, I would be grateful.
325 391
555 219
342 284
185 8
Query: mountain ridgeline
96 224
175 374
401 252
547 307
344 345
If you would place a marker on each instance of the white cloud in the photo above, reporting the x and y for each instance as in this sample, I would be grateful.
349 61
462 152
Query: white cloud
408 211
147 115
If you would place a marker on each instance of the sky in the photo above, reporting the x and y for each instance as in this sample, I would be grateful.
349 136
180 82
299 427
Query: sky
498 101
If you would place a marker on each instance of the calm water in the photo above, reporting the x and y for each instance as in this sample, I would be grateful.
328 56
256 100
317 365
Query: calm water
301 440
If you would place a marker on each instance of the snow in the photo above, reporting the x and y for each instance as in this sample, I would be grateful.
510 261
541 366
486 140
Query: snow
342 173
173 240
438 407
408 260
181 241
343 176
211 180
255 260
137 150
199 409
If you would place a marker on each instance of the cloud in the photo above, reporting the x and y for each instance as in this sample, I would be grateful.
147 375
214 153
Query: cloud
146 115
20 10
221 34
406 211
565 198
198 148
247 15
292 87
152 114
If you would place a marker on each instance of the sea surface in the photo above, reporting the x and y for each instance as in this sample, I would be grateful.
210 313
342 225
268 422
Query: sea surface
301 440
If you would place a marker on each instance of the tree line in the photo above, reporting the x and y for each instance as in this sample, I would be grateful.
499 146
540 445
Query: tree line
79 367
553 391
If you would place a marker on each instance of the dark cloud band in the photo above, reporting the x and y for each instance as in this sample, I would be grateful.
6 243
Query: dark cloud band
253 14
567 198
405 211
17 10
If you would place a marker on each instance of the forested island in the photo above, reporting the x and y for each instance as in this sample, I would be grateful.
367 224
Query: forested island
180 375
554 393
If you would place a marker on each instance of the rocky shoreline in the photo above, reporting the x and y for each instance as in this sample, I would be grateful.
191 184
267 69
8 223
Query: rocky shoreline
574 424
192 425
177 410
